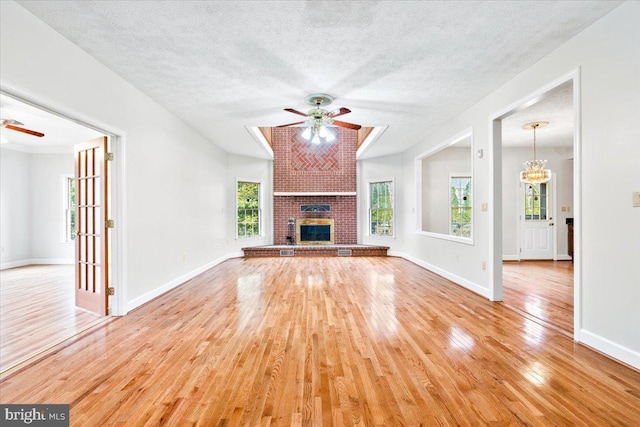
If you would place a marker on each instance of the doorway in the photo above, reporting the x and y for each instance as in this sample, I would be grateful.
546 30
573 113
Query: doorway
534 271
37 280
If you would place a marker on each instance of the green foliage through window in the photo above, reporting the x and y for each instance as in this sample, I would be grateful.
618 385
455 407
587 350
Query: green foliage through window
248 194
535 202
381 208
461 206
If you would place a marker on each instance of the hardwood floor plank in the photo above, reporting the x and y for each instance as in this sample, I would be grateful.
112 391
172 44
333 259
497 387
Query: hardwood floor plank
542 289
37 311
327 341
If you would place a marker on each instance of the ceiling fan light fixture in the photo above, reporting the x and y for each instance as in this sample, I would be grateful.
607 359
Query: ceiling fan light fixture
323 132
330 136
534 170
319 121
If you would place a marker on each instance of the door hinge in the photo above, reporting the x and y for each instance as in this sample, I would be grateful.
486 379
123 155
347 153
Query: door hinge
108 156
109 223
111 291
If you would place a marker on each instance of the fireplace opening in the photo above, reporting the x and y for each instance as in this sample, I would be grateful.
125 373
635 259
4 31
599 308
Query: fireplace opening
315 231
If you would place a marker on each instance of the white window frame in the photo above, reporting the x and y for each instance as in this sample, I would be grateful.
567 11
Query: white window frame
461 175
65 233
393 208
260 207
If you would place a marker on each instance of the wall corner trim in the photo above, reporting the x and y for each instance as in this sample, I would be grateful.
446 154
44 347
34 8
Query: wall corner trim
143 299
610 348
38 261
473 287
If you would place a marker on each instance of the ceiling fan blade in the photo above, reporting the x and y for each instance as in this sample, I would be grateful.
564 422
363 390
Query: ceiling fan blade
291 110
346 125
5 122
291 124
339 112
23 130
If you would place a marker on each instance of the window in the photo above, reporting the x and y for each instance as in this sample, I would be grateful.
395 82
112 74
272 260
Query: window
249 212
69 208
535 202
460 202
381 208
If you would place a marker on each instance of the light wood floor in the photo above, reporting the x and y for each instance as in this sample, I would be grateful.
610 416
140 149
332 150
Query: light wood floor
327 341
542 289
37 311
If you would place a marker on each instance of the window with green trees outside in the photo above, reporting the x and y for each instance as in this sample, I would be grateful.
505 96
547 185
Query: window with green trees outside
381 208
460 224
248 199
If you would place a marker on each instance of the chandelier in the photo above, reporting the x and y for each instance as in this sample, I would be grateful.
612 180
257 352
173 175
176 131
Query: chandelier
534 170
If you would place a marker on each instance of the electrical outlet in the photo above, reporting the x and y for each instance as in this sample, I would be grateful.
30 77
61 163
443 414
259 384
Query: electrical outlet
485 207
184 256
636 200
484 265
457 258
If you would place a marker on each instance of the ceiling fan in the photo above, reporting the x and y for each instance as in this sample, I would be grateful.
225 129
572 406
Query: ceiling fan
318 119
15 125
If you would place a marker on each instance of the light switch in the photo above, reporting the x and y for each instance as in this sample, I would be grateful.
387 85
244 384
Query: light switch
485 207
636 199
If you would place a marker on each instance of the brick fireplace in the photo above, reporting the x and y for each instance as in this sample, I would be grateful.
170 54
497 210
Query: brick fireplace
310 174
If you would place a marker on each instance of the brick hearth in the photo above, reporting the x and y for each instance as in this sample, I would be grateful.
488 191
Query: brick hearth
315 250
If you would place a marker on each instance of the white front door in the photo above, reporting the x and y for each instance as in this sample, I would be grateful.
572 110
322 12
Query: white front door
536 223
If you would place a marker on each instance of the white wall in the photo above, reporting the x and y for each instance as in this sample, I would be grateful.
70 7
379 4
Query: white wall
560 161
45 202
14 208
259 170
176 197
32 210
606 55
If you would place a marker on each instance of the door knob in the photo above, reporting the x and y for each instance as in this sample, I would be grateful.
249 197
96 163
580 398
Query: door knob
550 224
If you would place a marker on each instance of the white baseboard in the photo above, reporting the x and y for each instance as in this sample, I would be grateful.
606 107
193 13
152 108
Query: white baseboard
447 275
613 349
40 261
560 257
137 302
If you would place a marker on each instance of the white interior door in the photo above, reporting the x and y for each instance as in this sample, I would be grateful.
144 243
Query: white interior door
536 222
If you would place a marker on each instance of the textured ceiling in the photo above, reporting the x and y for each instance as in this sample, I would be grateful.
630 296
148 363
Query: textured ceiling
556 108
59 134
222 66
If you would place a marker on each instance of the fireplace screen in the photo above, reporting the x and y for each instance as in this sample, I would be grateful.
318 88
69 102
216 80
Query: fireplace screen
314 231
